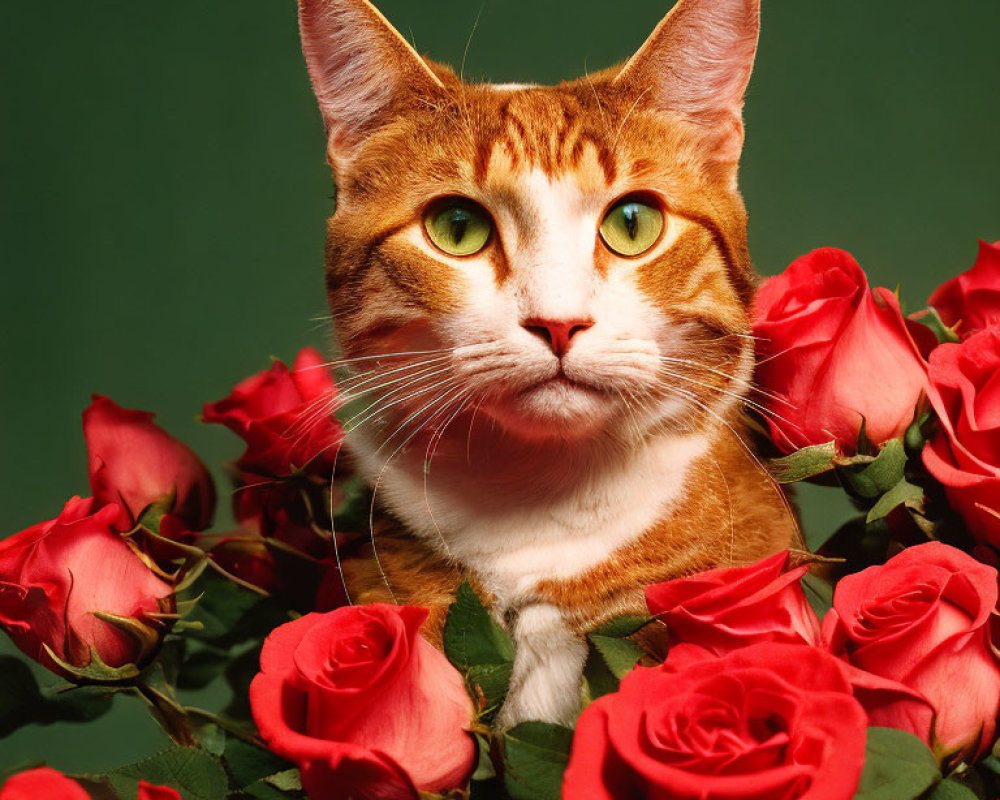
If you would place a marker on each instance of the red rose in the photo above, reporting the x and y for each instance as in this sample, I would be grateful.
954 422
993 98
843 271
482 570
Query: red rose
136 463
971 301
922 620
965 453
770 720
149 792
42 783
363 705
725 609
285 417
835 353
55 577
248 559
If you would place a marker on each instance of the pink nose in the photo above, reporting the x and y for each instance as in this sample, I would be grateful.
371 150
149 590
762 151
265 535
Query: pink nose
558 333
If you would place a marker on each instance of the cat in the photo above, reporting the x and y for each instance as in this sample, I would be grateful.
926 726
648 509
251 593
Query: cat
544 293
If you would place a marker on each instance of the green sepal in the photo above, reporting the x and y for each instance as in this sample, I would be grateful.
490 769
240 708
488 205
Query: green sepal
146 637
153 514
485 769
898 766
869 477
903 493
932 319
96 671
536 755
802 464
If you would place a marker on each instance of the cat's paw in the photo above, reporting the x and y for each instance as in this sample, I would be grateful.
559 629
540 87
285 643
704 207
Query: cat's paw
548 670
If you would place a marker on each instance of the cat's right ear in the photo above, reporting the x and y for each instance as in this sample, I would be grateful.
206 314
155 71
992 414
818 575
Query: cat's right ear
361 69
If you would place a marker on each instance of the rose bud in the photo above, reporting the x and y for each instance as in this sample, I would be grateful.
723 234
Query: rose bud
363 705
964 455
285 417
971 301
724 609
248 559
73 590
769 720
922 619
835 354
149 792
135 463
280 510
42 783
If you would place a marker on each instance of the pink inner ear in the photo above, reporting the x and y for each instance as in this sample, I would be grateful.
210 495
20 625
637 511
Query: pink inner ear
698 62
358 65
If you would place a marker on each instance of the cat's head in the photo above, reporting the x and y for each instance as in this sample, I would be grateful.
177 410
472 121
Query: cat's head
571 259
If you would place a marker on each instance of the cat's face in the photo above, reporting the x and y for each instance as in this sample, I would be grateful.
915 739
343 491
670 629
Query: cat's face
569 260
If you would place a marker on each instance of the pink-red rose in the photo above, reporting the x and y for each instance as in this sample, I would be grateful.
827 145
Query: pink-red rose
135 463
833 354
728 608
285 417
57 577
42 783
363 705
971 301
965 454
769 720
922 620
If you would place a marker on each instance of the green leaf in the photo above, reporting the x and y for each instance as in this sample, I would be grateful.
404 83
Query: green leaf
201 668
952 790
189 770
898 766
472 636
222 606
903 493
287 781
620 627
869 477
248 764
536 758
819 593
599 680
805 463
478 646
23 702
262 790
620 655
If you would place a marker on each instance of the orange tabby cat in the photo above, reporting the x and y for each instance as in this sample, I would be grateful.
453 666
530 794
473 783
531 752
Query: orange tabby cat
543 293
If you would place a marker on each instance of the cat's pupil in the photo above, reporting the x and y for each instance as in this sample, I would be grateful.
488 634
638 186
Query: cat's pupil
631 216
459 224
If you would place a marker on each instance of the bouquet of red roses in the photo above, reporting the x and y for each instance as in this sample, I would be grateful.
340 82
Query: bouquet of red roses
866 667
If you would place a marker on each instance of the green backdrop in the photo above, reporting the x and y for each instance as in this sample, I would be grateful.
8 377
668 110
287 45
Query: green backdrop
163 191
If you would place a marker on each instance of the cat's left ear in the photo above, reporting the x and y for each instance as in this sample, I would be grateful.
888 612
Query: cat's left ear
697 63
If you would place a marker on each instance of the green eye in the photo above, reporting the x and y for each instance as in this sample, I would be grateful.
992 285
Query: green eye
459 227
632 227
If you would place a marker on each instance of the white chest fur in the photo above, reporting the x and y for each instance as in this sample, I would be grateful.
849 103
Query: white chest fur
560 524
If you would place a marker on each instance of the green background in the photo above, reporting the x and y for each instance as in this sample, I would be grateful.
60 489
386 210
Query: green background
164 189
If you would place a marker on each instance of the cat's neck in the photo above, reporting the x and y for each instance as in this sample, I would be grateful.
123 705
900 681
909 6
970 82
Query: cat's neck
517 511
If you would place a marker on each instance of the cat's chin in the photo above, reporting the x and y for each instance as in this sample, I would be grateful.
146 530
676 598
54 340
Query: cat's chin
557 408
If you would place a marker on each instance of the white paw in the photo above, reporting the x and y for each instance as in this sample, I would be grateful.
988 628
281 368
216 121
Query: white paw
548 669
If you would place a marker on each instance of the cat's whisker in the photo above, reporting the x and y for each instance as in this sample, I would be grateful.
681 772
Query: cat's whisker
378 407
735 395
333 530
722 374
375 488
